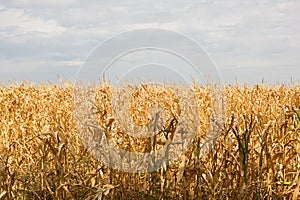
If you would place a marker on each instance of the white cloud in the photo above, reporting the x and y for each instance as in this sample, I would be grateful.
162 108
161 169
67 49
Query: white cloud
44 3
235 33
16 25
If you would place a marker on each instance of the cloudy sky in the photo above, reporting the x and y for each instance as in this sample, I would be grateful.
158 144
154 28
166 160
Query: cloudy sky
247 40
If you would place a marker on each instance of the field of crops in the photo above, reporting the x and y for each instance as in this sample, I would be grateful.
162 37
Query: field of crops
257 155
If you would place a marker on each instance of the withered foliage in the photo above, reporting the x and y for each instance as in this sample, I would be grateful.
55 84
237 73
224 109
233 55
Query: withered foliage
256 156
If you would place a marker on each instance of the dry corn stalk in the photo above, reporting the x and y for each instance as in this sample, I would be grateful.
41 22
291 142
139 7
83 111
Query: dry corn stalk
42 155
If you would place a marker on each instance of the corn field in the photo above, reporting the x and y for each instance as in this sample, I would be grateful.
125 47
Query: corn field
256 156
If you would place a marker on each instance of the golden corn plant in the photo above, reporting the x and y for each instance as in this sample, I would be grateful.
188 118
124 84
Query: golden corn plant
256 156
